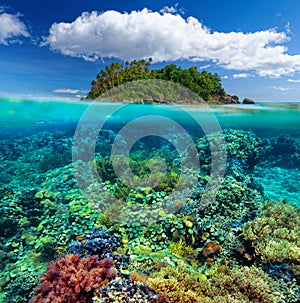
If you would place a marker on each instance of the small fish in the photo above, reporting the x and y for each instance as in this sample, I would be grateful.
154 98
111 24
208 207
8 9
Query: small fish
190 218
104 282
79 237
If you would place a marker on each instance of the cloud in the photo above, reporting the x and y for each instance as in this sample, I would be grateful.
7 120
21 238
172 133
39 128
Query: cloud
10 28
241 75
294 80
281 88
167 9
205 66
169 37
66 91
172 9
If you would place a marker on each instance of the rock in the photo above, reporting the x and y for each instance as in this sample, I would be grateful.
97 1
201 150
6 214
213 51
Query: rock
248 101
229 99
235 98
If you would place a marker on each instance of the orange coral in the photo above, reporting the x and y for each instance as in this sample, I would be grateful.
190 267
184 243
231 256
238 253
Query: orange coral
210 249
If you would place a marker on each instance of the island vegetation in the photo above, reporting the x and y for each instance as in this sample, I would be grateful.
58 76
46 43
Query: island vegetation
110 84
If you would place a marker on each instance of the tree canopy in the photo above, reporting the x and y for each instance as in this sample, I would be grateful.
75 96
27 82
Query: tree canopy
203 83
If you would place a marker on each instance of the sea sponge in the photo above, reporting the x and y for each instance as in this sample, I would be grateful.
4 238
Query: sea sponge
71 279
275 233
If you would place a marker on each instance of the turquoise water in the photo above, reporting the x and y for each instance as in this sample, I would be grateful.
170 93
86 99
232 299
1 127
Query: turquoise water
19 118
68 167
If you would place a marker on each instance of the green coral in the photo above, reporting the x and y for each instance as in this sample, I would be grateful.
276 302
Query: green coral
141 170
242 147
55 160
235 199
275 233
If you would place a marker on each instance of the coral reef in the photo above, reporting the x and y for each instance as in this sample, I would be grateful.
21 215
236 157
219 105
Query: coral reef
51 161
210 249
243 148
119 290
275 233
180 248
282 151
99 242
245 285
73 279
165 248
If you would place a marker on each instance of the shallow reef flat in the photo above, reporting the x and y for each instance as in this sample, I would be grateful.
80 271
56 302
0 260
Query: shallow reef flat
66 239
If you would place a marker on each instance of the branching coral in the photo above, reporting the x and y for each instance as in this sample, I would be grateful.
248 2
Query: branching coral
71 279
275 234
180 248
245 285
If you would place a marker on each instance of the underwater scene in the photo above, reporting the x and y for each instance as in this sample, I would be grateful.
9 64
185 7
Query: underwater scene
107 202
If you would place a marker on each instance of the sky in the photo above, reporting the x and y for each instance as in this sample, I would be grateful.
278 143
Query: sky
54 49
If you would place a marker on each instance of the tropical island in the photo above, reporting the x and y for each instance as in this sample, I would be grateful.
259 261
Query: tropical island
170 84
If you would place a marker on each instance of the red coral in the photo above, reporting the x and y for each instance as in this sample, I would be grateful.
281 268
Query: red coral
71 279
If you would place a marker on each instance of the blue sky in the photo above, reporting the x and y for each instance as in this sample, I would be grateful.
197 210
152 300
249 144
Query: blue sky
55 48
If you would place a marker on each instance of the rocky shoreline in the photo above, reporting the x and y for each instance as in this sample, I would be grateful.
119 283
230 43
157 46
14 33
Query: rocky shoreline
228 99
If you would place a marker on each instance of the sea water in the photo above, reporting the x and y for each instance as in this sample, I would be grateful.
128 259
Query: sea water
20 119
41 142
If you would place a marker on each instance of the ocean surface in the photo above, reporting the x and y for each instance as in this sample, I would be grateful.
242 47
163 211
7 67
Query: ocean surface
198 174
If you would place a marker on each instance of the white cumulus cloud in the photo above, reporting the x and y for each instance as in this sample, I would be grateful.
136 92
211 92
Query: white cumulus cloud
241 76
168 37
10 28
294 80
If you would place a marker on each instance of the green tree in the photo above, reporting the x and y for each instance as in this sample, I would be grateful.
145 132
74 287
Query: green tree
204 84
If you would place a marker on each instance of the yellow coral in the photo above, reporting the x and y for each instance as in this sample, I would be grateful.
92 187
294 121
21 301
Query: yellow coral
180 248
